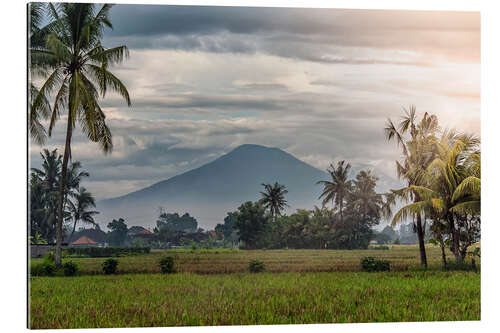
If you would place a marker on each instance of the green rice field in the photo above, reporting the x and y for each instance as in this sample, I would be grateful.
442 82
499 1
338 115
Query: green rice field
185 299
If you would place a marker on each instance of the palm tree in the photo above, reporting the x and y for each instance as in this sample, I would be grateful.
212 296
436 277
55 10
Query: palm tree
44 192
73 178
78 75
417 141
79 208
363 197
452 188
338 188
273 198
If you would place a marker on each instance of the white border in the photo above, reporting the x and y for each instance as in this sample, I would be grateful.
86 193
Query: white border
13 164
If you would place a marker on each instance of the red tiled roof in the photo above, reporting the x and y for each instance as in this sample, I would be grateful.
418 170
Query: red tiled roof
83 241
145 232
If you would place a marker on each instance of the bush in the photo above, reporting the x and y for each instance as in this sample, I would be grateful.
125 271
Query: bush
70 268
256 266
109 266
42 269
167 265
370 264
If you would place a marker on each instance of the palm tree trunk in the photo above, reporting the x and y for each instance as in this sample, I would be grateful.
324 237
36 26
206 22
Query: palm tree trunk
454 237
421 244
59 231
443 254
73 231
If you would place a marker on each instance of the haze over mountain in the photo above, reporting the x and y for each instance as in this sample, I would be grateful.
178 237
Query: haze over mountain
212 190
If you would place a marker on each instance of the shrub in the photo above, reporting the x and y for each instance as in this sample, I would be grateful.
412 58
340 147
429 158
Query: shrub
42 269
109 266
256 266
50 257
70 268
370 264
167 265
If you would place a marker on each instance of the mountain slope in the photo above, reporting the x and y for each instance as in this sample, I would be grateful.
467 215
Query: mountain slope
215 188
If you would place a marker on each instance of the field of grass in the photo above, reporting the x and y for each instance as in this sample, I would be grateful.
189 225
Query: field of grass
244 298
221 261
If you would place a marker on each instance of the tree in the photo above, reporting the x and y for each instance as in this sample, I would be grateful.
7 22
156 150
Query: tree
175 223
79 72
80 208
227 229
417 141
338 188
39 59
44 184
118 233
251 222
450 192
273 198
363 197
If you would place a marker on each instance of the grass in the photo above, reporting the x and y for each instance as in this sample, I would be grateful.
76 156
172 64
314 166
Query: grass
239 299
223 261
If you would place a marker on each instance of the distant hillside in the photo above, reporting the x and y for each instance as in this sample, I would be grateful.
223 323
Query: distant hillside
215 188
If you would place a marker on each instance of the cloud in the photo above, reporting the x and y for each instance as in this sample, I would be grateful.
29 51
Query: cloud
318 84
317 35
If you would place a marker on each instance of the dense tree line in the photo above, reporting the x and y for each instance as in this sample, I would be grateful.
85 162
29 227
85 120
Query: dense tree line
356 208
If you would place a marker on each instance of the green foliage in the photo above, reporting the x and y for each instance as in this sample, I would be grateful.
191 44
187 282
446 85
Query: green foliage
175 223
273 198
70 268
167 265
109 266
370 264
42 269
118 233
110 251
256 266
251 222
49 257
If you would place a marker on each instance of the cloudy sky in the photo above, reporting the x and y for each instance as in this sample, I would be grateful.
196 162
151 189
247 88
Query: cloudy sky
318 84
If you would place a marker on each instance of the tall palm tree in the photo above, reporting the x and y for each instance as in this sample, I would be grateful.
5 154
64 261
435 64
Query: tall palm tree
79 75
417 141
363 197
80 207
273 198
338 188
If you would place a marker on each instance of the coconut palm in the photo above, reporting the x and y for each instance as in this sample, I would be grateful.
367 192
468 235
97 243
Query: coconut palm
417 140
44 184
451 188
80 207
78 76
338 188
273 198
363 197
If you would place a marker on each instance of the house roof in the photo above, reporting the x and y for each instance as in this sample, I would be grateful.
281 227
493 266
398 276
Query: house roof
84 240
145 232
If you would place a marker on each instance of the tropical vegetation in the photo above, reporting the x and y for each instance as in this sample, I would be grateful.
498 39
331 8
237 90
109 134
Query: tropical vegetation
75 70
